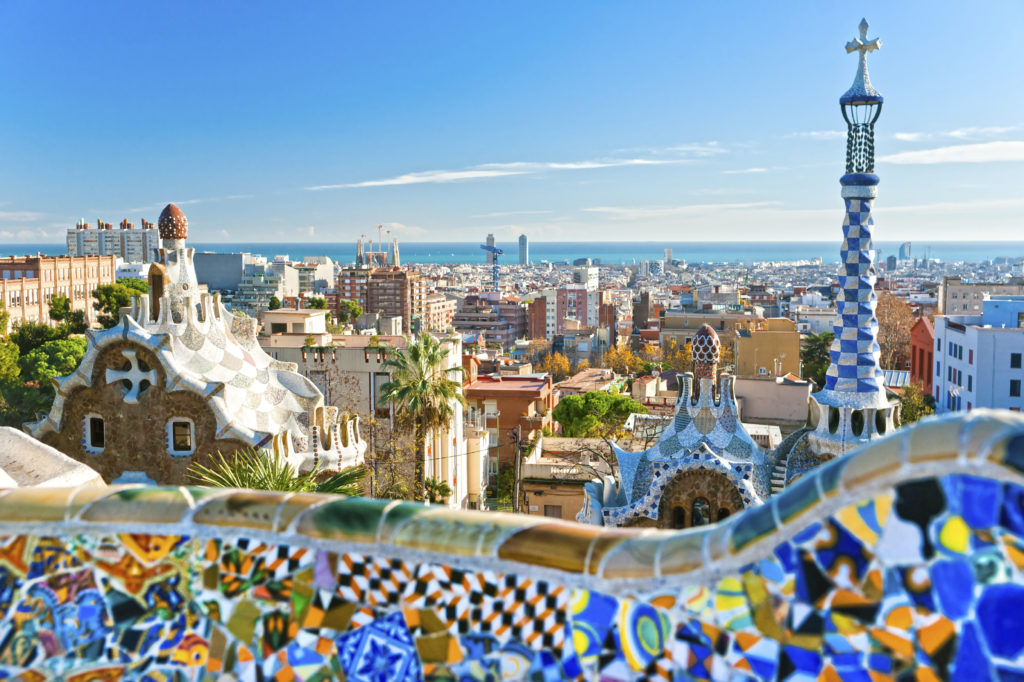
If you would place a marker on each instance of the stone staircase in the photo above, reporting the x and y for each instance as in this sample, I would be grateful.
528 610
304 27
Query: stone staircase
779 474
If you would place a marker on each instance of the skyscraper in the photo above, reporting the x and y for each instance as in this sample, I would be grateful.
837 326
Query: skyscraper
905 251
524 250
490 254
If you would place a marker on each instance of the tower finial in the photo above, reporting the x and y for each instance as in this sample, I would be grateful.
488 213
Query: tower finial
861 106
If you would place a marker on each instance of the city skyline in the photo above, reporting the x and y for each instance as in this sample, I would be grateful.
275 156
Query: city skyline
581 123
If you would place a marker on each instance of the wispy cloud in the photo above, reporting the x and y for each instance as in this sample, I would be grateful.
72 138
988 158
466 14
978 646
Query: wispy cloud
679 154
819 134
647 212
177 202
983 152
21 216
968 133
503 214
745 171
945 207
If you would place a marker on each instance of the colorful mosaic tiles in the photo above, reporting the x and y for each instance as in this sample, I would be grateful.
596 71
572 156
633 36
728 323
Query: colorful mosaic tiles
904 560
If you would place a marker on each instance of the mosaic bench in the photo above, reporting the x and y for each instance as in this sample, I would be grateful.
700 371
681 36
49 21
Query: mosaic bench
902 560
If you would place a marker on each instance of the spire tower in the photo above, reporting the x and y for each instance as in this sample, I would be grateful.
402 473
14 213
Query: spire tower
853 406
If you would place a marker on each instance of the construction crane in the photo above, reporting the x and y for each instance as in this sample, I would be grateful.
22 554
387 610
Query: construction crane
495 252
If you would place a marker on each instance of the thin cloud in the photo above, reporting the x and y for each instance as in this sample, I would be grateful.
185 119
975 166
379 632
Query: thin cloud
21 216
983 152
496 170
647 212
967 133
744 171
179 203
503 214
819 134
943 207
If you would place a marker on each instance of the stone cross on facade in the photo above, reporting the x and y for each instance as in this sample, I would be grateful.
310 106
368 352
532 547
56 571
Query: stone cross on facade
134 376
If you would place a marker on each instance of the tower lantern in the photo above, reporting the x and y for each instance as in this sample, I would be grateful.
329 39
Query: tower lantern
861 106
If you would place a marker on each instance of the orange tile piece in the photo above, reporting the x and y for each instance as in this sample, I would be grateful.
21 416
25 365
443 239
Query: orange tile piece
902 647
933 636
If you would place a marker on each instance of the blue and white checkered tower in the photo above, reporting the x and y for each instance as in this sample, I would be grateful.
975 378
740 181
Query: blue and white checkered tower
853 406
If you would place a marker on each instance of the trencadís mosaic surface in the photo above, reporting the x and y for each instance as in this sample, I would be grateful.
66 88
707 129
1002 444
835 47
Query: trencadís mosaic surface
900 561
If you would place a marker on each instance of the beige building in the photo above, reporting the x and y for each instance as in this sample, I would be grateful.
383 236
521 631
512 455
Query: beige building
682 325
555 472
438 311
349 370
29 283
957 297
774 400
767 348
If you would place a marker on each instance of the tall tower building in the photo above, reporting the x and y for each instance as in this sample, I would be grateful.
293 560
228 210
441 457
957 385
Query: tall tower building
524 250
905 251
490 254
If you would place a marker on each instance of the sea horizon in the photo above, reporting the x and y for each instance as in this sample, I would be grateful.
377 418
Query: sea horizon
608 253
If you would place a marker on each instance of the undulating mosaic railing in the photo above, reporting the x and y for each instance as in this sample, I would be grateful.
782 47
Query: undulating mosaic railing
901 560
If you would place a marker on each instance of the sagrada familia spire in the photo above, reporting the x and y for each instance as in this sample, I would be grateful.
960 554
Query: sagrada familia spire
853 406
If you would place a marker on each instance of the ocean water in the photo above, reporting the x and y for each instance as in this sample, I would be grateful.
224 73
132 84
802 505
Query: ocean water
607 252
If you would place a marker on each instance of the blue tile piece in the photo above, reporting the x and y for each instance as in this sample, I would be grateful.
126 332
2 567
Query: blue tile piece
976 499
970 662
1000 616
953 582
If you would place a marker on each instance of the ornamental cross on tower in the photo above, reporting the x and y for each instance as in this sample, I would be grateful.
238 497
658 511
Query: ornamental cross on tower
862 83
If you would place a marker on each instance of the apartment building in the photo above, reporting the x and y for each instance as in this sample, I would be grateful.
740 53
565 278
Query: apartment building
389 292
28 283
957 297
502 321
979 359
126 243
767 348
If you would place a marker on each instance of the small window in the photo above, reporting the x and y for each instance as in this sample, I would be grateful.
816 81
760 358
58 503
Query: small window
1014 360
938 344
1014 388
857 422
95 434
553 510
181 436
970 382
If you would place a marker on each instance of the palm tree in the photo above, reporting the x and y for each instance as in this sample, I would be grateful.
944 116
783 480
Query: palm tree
422 389
265 470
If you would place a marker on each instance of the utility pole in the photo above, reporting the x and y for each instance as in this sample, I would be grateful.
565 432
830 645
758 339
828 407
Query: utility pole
517 437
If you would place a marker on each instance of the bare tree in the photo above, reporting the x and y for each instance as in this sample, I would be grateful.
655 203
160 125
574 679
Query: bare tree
894 322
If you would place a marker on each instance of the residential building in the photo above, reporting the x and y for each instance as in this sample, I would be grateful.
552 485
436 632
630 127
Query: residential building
680 326
391 292
978 358
591 379
555 472
767 348
781 401
922 348
438 312
502 321
221 271
959 297
587 275
126 243
29 283
537 314
507 403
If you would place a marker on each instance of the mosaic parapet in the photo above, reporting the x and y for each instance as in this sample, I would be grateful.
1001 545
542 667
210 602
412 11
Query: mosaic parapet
904 559
938 445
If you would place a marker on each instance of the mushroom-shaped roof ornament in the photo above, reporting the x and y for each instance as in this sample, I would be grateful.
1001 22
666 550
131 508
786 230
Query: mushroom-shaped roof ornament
173 224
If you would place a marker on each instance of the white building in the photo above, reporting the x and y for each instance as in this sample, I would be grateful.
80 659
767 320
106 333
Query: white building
587 275
127 243
978 358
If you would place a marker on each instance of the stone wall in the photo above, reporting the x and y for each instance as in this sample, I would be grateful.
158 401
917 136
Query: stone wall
902 560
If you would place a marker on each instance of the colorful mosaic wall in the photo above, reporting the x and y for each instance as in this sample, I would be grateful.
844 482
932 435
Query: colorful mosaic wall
902 561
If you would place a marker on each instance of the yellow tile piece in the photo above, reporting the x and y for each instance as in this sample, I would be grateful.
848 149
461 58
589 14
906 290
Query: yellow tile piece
955 535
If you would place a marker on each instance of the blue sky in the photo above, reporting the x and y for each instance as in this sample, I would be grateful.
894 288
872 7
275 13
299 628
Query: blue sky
562 120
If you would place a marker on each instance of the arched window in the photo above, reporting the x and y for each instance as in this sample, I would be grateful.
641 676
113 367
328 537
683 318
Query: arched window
678 517
700 515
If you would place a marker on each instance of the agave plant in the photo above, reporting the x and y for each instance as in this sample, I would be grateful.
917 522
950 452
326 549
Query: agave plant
266 470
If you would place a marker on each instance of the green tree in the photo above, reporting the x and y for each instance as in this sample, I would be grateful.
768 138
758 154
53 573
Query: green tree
52 359
31 335
423 391
110 298
436 490
317 303
815 357
349 311
134 284
73 321
264 470
596 414
275 303
915 404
